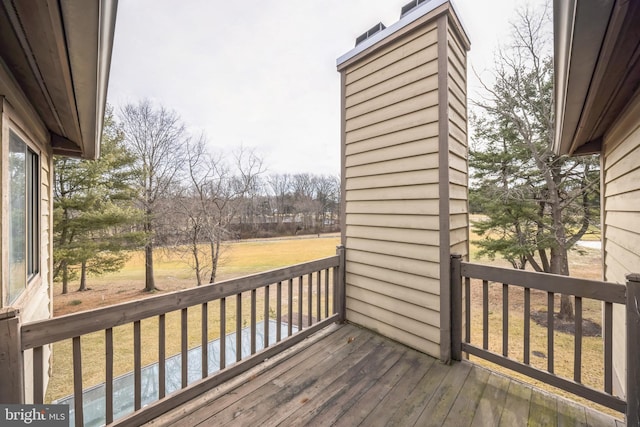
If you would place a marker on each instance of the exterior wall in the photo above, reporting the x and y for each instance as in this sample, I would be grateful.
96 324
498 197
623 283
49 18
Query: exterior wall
399 171
621 217
457 146
457 209
35 302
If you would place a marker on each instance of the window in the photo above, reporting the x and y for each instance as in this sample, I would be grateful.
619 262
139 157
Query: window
24 216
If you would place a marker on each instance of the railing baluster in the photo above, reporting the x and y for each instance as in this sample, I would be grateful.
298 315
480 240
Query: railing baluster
632 317
318 294
467 309
238 327
38 375
162 382
108 350
336 292
579 289
505 319
485 314
253 322
326 293
266 317
137 366
527 326
608 347
456 306
550 331
279 312
223 333
184 346
310 298
300 279
290 319
577 353
36 335
205 340
77 382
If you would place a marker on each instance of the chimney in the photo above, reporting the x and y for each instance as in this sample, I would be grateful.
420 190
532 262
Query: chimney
375 29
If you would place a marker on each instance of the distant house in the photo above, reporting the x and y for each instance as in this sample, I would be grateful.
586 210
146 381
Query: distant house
597 65
54 67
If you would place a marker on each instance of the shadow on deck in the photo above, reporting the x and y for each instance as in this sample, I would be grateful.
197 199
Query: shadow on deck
348 376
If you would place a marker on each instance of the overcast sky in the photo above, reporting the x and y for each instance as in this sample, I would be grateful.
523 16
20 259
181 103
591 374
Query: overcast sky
263 73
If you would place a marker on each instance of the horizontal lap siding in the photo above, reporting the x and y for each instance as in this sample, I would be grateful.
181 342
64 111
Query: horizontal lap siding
391 191
458 151
621 217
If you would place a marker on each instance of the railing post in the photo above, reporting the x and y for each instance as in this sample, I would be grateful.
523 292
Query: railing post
633 350
340 292
11 364
456 307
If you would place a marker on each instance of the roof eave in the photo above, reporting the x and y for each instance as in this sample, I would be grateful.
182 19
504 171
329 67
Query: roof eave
587 54
564 13
90 45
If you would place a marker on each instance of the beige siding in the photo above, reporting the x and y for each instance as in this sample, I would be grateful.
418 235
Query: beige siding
621 216
458 149
397 180
392 173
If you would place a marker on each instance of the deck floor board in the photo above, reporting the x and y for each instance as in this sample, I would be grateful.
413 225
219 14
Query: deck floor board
349 376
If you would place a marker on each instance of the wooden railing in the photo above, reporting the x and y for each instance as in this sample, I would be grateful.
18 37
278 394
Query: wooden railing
465 276
319 283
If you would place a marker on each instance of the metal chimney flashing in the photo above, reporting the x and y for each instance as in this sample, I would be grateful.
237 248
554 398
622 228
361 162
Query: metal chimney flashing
408 18
410 6
376 28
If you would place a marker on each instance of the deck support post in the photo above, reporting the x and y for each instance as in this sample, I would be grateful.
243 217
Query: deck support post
339 283
456 307
633 350
11 364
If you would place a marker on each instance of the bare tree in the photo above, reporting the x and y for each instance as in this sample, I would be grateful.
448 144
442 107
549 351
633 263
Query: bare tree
280 185
210 199
247 184
156 137
327 194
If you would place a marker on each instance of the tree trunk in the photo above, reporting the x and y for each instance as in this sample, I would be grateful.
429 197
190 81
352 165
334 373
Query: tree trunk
149 281
560 265
566 305
65 277
215 255
83 277
196 259
559 256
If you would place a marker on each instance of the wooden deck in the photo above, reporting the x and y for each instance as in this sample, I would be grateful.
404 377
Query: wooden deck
348 376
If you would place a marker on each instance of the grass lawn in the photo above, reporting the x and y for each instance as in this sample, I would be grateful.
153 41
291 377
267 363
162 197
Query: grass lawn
242 258
172 273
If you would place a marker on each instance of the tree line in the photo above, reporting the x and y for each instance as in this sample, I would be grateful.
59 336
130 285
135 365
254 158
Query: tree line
156 185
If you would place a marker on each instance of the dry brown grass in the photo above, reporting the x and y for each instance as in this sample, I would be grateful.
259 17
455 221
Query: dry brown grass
242 258
173 273
249 257
588 266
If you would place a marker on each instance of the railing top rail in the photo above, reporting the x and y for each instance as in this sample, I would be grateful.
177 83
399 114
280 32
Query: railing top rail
594 289
42 332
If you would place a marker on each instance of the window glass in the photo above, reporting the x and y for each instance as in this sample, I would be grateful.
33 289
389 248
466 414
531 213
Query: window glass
23 215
